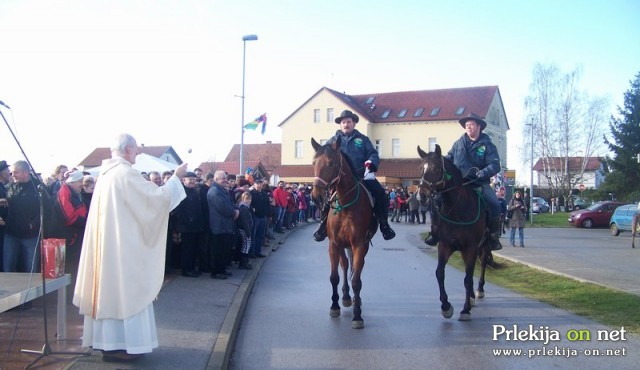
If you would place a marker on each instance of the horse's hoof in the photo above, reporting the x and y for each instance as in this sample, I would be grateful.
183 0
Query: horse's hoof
479 294
464 317
357 324
472 302
334 313
346 303
448 313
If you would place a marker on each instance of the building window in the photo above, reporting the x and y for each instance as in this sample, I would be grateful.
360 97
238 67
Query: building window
386 113
330 115
378 146
402 113
460 110
418 112
316 116
370 100
435 111
395 147
432 144
298 148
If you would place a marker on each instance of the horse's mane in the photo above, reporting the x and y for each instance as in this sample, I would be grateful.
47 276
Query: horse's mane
454 171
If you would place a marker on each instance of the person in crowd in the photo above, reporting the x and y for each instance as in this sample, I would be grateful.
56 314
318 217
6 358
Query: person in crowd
69 219
302 204
477 158
280 196
397 207
503 208
123 255
155 177
271 216
245 226
518 210
291 209
422 208
166 175
202 254
413 205
359 149
198 172
23 219
222 214
57 178
5 178
189 222
261 208
88 184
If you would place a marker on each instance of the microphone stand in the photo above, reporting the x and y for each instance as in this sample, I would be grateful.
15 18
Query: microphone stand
46 348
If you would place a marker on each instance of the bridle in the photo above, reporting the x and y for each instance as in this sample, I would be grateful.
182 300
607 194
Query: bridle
331 186
433 186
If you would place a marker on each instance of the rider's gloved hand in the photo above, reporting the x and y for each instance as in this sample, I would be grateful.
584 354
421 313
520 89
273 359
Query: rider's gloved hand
368 164
480 174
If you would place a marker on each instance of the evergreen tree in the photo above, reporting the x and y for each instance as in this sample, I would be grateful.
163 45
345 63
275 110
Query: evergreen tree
624 176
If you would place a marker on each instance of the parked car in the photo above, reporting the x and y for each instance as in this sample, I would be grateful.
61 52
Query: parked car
622 218
579 203
597 214
539 205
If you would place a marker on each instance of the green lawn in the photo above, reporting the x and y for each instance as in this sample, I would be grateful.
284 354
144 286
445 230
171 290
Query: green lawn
558 219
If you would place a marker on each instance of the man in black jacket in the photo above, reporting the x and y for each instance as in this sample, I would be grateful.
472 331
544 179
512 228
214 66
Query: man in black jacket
23 220
261 208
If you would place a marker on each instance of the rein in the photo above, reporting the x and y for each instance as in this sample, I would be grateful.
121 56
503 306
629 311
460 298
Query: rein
332 186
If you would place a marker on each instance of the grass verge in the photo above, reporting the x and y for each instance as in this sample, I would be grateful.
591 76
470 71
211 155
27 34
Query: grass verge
606 306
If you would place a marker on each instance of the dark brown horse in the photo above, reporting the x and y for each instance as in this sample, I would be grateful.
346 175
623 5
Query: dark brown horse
350 224
461 222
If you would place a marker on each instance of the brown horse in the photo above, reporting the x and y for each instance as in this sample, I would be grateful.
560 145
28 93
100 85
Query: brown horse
350 224
462 225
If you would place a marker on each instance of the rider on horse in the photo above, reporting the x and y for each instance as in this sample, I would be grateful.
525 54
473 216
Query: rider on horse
360 150
477 158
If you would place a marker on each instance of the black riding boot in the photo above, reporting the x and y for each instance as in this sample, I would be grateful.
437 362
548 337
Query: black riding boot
495 229
381 211
432 239
321 233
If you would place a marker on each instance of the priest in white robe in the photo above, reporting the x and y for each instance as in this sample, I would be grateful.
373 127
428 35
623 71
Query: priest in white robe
122 262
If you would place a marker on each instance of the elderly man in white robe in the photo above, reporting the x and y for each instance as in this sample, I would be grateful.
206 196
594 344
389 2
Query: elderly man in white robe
122 263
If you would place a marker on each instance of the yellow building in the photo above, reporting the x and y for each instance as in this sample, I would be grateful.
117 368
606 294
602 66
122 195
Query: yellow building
396 123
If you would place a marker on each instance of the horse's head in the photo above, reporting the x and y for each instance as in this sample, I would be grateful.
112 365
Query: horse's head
327 168
436 171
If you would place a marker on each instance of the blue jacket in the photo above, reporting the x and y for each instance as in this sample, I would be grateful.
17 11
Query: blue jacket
221 210
472 156
359 149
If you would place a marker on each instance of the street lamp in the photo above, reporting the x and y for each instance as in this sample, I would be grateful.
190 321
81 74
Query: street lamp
531 187
244 51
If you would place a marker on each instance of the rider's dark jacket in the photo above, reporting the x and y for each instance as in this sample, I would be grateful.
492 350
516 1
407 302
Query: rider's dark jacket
472 156
359 149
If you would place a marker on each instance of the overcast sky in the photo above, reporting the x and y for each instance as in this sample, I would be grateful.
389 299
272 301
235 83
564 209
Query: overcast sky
76 73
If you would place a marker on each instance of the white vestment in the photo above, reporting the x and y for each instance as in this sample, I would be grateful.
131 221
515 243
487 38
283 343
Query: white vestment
122 262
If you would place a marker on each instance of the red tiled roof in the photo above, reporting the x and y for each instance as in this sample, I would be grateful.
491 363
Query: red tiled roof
302 170
268 154
575 163
473 99
228 167
96 157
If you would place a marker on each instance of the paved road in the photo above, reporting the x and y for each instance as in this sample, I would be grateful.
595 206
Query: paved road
287 323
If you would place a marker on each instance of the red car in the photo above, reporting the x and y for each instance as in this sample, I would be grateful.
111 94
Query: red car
597 214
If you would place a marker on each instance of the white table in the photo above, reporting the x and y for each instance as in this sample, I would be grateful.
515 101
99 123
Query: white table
15 290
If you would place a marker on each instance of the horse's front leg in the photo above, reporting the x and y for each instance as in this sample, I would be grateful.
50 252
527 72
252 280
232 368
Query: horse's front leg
485 256
344 263
469 258
334 257
443 257
356 284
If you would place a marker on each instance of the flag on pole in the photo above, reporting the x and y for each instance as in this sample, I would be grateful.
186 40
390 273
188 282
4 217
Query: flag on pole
254 124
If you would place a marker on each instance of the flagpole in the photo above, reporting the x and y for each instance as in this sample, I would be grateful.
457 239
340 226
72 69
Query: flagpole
244 51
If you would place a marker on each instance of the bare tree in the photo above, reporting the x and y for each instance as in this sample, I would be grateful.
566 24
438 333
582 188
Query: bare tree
567 126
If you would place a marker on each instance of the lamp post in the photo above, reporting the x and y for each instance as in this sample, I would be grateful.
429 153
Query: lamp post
531 187
244 52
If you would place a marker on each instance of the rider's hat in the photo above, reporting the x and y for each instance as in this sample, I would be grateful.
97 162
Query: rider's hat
473 117
347 114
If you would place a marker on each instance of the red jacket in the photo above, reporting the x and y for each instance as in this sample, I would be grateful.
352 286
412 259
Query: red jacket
280 197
